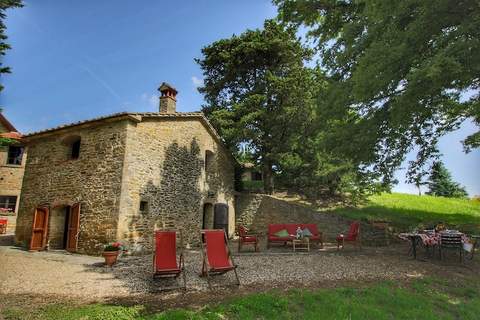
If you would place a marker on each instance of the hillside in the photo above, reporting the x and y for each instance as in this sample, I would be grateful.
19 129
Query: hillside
406 211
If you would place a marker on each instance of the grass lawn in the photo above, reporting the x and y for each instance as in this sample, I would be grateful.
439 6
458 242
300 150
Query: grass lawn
420 299
405 211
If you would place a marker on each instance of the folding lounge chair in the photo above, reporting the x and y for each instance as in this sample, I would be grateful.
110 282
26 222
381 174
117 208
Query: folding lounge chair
216 256
165 257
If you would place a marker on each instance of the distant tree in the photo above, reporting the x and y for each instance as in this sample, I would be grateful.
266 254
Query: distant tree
418 181
441 184
403 72
4 5
258 92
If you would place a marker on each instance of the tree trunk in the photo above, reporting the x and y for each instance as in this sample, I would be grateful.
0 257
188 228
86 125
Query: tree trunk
267 178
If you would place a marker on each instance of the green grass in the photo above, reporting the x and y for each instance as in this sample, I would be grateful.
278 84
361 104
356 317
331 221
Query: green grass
405 211
421 299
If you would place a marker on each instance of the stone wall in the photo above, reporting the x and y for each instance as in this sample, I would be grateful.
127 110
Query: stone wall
165 167
94 180
11 177
257 211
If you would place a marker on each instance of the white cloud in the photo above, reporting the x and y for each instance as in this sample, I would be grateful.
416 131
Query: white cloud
197 82
152 100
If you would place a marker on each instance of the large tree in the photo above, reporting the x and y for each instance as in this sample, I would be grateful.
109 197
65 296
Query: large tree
4 5
440 183
403 73
258 92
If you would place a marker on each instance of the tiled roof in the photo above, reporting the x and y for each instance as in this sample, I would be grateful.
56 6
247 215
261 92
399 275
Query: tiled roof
11 135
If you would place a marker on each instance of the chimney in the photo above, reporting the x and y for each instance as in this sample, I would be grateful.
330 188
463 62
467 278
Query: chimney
168 100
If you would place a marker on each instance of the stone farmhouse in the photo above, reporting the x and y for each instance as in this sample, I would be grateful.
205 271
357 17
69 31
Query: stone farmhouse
120 177
12 165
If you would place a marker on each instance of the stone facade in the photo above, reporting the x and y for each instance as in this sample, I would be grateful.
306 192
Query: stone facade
136 172
11 175
52 178
175 166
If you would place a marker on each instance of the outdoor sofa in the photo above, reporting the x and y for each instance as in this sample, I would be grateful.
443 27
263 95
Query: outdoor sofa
292 231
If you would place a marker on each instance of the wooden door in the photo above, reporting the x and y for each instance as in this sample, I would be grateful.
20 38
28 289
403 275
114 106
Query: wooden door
39 228
73 227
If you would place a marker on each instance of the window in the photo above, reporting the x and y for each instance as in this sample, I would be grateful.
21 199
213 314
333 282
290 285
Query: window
73 143
8 202
15 155
75 149
143 207
208 160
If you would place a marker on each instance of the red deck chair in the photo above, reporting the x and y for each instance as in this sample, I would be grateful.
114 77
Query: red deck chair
165 263
245 238
353 236
216 256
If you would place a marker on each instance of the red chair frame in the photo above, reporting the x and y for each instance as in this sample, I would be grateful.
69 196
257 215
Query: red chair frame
165 259
3 225
216 258
352 237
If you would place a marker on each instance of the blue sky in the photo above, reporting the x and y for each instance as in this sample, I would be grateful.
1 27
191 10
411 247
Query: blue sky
74 60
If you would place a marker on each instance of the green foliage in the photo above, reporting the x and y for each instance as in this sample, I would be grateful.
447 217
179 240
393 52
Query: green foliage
258 92
90 312
428 298
441 183
403 73
7 141
264 100
4 5
405 211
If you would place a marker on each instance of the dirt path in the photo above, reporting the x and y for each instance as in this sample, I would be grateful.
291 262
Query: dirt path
46 277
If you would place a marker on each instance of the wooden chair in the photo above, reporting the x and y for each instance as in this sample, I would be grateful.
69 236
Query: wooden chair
216 255
165 263
352 237
245 238
451 241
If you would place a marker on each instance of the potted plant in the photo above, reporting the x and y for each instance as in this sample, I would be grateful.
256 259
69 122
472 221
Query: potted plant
110 253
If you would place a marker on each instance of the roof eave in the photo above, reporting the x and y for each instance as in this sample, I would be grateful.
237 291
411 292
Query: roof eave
85 124
7 123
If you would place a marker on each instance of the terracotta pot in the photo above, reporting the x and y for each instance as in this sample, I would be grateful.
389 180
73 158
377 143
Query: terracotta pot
110 257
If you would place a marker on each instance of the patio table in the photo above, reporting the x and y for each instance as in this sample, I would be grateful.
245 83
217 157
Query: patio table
428 239
301 244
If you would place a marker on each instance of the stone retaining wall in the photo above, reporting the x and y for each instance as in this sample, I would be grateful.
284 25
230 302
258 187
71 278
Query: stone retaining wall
256 211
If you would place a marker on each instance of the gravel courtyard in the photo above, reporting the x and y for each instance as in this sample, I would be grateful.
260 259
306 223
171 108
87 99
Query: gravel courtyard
55 276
